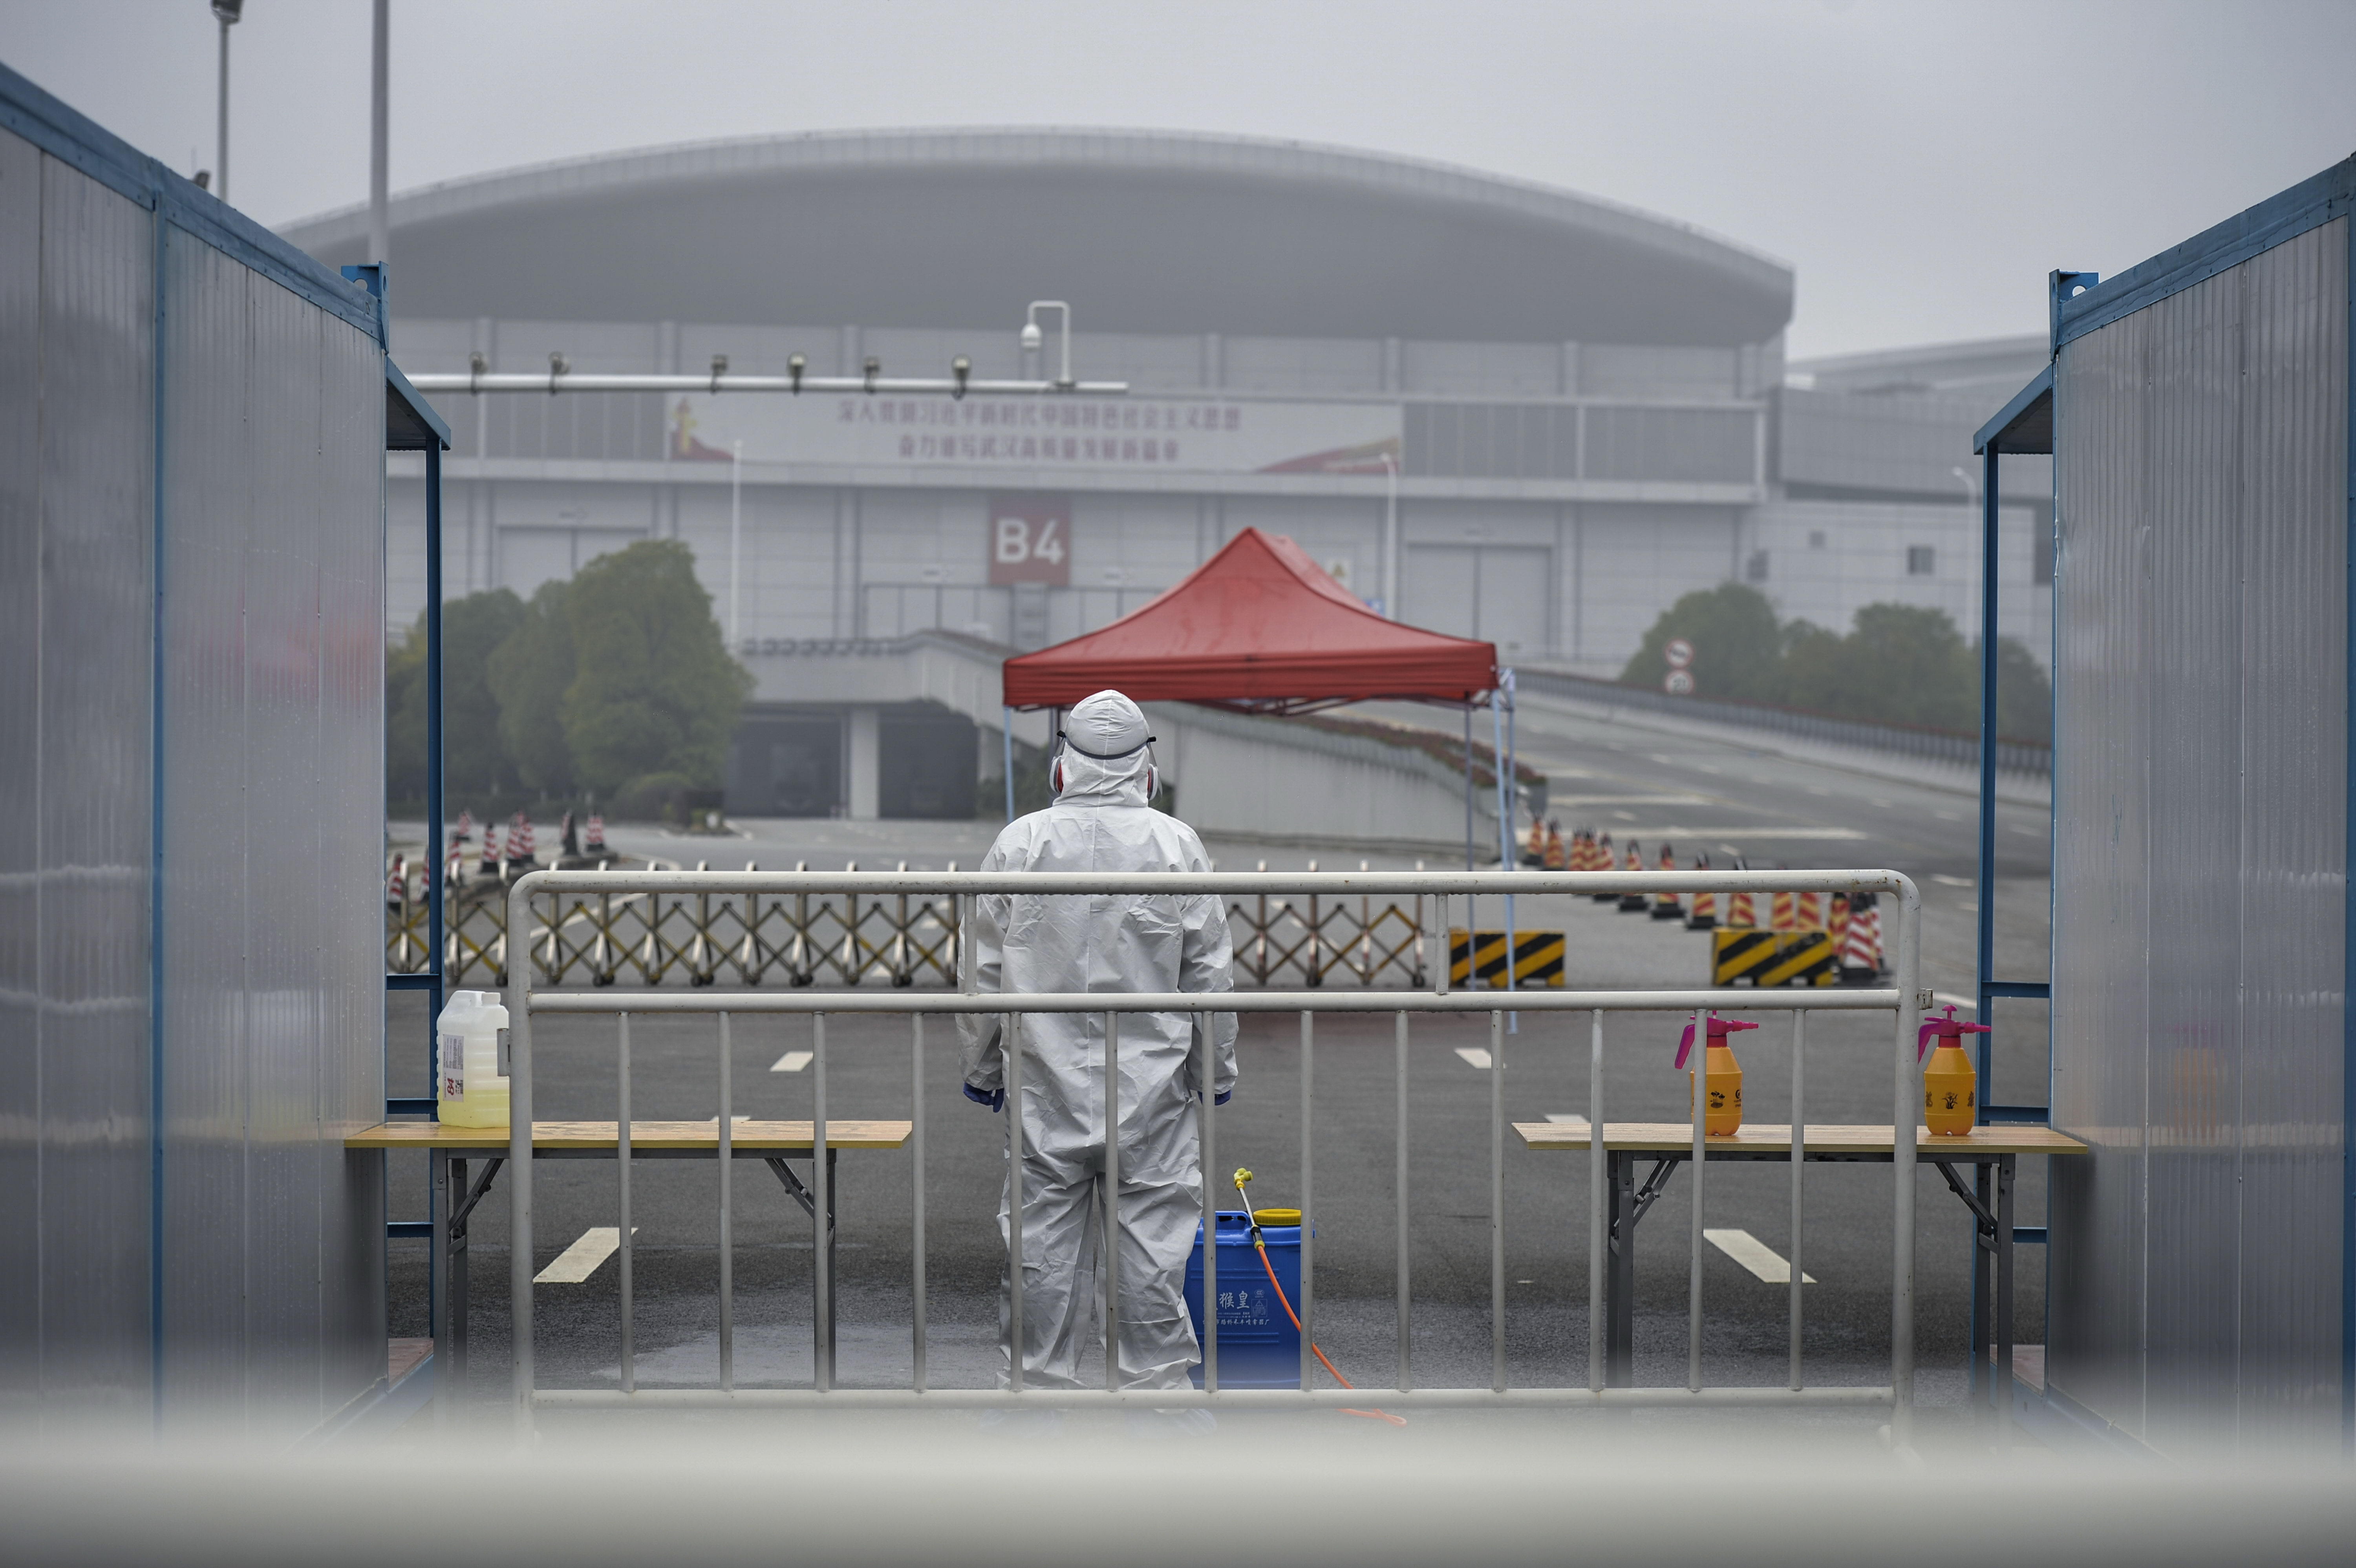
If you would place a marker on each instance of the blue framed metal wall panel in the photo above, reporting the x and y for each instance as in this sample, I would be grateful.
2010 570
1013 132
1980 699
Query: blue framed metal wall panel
304 447
2082 306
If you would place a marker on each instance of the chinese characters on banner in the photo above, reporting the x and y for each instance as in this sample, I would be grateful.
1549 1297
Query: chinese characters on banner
1206 435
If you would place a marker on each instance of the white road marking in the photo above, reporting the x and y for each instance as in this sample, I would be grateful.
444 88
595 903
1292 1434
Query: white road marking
576 1262
1478 1055
1756 1255
1568 1119
1876 800
1951 881
1812 789
793 1061
1622 815
1943 998
1571 800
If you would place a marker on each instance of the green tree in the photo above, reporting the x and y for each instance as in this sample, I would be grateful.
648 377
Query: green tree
530 673
475 758
1815 668
2024 695
653 689
1737 646
1905 664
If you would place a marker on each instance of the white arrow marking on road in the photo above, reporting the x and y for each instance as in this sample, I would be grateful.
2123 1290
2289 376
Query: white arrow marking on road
1478 1055
1755 1255
576 1262
793 1061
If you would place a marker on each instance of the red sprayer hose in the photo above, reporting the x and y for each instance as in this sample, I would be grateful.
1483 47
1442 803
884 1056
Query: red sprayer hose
1260 1247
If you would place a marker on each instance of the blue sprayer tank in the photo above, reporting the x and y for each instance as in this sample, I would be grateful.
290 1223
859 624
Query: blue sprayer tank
1258 1346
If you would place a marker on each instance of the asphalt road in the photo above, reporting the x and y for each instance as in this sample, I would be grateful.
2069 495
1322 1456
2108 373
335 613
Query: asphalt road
1703 796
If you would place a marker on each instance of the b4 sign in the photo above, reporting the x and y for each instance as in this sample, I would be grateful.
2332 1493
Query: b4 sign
1031 539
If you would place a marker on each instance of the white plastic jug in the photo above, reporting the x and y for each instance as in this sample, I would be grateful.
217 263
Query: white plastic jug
468 1085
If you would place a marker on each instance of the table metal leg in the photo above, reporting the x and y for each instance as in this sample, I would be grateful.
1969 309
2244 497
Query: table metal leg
1983 1242
455 1228
822 1296
437 1313
1620 1288
2003 1379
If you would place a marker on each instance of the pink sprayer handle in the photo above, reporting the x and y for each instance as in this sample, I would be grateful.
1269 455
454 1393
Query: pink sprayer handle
1948 1027
1725 1026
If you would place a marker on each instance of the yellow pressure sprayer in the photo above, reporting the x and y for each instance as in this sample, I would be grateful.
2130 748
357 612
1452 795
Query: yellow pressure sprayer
1251 1217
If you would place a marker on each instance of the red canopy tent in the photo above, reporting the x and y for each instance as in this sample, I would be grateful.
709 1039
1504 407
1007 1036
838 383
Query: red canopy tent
1260 628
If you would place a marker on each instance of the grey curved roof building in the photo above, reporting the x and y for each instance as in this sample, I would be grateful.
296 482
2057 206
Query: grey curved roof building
1497 409
1160 233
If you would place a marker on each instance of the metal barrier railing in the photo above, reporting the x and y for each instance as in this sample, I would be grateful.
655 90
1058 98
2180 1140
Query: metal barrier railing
735 937
1435 891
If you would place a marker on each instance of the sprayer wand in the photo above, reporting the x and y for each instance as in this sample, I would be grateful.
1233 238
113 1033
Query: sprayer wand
1251 1217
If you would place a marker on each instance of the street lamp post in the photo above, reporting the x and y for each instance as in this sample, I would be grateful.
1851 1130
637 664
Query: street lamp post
1033 337
228 11
735 535
1971 499
380 132
1390 536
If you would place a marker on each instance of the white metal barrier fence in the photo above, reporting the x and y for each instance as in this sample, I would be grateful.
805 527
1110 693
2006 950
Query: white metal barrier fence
1904 1000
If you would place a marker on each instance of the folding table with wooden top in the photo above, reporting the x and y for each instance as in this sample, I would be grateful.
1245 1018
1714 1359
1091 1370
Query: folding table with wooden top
452 1148
1991 1151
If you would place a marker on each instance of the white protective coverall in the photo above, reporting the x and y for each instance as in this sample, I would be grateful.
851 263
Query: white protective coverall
1100 822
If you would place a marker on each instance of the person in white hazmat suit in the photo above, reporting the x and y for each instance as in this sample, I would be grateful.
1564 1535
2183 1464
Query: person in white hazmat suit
1102 777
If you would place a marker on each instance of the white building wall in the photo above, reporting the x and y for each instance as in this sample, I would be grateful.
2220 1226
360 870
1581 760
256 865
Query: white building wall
1826 559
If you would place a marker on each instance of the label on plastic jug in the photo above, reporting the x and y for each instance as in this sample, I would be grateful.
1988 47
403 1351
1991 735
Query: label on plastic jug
453 1067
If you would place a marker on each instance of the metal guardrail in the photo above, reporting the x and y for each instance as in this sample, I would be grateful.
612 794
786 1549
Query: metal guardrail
1435 891
648 937
1935 745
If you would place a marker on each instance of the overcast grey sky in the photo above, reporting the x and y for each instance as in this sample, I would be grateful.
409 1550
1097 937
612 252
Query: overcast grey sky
1920 165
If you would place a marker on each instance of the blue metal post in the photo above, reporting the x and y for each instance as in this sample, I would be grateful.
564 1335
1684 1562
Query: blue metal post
1989 461
435 807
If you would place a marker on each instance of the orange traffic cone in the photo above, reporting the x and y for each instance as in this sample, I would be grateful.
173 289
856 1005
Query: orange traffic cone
1780 914
1633 902
1605 861
1664 904
1860 960
1556 860
1534 853
1811 912
488 866
1837 922
1704 914
519 849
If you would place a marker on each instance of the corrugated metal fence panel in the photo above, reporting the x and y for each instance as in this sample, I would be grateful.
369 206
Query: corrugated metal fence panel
2200 788
350 800
20 737
274 415
2103 896
2295 564
92 766
207 870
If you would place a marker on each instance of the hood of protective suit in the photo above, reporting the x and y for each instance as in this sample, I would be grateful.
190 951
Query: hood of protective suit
1107 752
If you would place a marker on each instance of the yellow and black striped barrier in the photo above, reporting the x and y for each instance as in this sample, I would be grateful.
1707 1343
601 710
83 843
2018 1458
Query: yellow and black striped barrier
1538 958
1739 956
1774 958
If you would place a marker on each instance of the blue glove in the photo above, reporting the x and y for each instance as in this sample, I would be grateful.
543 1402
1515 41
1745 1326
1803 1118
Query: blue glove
995 1099
1223 1099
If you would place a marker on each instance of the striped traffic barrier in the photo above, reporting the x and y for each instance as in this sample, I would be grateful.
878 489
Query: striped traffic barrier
1740 957
1802 958
1481 954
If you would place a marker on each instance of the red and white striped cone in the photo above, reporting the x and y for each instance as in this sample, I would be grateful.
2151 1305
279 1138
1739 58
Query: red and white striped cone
1811 914
454 869
1636 903
464 832
488 866
1704 913
396 882
1780 915
1860 959
520 848
595 843
1666 905
1739 914
1837 922
1605 861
